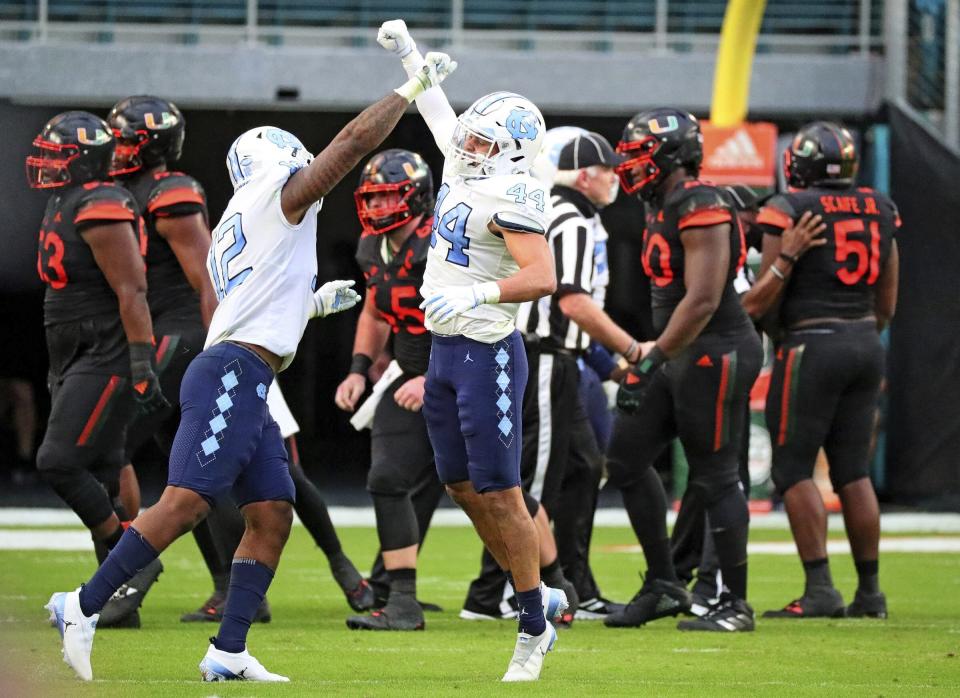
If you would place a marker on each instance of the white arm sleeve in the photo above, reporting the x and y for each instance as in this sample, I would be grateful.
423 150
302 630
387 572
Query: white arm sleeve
432 105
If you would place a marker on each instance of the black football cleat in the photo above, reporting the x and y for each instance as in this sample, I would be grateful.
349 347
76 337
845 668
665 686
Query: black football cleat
211 610
816 602
597 608
263 614
573 600
729 615
129 621
128 598
429 607
507 610
657 598
402 613
361 597
868 606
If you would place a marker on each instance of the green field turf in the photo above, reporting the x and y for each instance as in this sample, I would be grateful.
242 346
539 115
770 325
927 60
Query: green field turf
917 651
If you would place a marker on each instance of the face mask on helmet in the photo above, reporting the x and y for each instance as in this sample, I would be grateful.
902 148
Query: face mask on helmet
126 158
500 134
73 148
264 148
49 166
639 173
382 208
149 131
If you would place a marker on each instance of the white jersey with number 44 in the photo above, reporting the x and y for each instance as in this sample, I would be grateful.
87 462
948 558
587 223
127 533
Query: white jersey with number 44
464 251
263 268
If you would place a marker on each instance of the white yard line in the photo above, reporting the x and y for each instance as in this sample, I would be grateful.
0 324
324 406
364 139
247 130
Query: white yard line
938 544
363 516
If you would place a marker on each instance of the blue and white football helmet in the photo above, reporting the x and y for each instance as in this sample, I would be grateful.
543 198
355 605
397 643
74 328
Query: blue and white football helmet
263 148
499 134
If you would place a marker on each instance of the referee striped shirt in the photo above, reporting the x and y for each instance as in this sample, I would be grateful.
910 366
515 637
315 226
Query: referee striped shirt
578 242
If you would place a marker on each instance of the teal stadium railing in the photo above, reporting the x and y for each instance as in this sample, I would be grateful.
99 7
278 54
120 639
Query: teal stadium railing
835 25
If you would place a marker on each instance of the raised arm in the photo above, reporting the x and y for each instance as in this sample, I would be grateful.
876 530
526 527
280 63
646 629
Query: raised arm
358 138
432 103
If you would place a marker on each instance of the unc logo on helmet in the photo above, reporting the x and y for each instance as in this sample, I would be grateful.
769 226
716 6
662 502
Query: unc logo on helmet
522 124
282 139
262 148
499 134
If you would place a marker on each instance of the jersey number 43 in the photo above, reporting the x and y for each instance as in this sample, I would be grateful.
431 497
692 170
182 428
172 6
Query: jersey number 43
228 242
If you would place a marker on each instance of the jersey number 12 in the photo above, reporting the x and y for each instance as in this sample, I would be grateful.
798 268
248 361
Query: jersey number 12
221 255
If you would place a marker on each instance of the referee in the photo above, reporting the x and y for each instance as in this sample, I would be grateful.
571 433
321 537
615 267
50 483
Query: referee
562 463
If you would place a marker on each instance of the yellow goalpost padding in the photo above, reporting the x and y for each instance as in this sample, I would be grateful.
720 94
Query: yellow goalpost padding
738 43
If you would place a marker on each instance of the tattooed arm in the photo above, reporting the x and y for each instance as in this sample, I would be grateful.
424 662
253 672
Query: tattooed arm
359 137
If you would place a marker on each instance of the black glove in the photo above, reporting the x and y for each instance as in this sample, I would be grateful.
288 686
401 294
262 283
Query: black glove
634 385
146 385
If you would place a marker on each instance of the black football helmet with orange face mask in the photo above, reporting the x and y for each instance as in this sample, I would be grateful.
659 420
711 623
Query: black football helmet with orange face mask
822 154
655 143
399 172
73 148
149 131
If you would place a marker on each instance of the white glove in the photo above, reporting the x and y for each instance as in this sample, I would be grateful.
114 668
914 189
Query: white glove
448 302
435 69
394 37
334 297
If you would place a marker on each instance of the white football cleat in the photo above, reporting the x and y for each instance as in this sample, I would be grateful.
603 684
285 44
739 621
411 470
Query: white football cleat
76 631
218 665
528 655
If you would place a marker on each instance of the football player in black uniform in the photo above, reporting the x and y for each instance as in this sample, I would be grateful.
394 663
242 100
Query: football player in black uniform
831 304
394 203
694 380
99 332
150 132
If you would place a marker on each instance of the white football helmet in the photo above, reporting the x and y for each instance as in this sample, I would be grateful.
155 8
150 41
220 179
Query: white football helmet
262 148
499 134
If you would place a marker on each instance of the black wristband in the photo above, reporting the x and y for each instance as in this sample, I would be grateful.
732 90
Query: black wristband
141 352
654 359
787 258
361 364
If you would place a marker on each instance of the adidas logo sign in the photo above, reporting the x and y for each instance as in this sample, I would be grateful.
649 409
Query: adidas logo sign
737 151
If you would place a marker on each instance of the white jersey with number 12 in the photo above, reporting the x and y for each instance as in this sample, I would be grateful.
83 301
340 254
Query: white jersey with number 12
263 268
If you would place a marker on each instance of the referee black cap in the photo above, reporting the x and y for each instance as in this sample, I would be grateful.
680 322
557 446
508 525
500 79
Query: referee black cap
586 150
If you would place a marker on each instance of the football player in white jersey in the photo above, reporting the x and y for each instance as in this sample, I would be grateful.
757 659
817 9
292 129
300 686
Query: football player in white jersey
263 266
488 254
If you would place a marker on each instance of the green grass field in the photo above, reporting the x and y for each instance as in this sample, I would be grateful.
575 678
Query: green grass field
916 651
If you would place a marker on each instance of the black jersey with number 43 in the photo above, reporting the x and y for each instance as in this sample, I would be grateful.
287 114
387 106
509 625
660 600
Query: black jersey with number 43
693 204
395 285
76 287
837 279
167 195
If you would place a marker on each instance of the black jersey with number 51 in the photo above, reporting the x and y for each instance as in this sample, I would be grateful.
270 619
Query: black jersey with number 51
838 279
